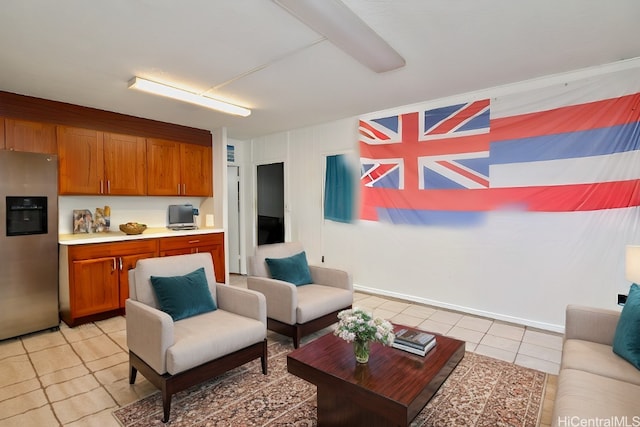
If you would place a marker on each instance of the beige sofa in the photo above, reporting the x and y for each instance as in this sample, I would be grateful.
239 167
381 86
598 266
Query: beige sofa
594 383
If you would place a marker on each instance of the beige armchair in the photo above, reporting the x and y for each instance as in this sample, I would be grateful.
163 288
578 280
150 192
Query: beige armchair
296 311
174 355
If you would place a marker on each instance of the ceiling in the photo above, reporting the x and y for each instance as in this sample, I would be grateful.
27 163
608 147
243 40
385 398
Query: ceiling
253 53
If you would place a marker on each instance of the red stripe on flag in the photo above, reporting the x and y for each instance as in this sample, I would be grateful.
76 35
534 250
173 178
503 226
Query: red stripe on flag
464 115
370 132
561 198
592 115
464 172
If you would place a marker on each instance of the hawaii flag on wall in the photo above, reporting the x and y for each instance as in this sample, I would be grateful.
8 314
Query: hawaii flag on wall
560 149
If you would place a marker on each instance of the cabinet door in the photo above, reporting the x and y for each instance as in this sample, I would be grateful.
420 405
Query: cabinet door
213 243
163 163
125 165
217 253
196 170
21 135
127 263
80 161
95 286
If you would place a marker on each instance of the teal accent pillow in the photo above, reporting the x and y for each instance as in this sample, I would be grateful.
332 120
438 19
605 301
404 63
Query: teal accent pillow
293 269
626 342
184 296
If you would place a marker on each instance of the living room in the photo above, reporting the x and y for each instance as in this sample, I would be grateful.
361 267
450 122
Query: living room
511 265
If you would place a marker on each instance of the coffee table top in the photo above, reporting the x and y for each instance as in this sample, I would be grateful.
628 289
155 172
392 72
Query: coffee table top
391 373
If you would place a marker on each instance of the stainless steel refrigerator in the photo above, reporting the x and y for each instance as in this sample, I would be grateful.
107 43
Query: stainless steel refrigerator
28 243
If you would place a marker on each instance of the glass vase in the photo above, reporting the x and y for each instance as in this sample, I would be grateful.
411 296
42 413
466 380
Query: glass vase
361 350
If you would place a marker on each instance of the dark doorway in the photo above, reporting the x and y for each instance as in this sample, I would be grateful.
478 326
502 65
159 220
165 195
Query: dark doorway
270 203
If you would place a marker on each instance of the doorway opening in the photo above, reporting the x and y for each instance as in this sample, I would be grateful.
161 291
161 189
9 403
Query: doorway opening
270 194
233 197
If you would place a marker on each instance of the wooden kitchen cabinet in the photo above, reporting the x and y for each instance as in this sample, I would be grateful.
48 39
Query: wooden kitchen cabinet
95 286
93 162
94 281
35 137
195 243
179 169
125 165
80 161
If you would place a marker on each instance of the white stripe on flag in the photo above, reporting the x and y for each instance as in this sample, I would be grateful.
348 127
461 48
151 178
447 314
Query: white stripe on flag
583 170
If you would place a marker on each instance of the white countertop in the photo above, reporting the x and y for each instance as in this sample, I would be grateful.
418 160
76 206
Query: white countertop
119 236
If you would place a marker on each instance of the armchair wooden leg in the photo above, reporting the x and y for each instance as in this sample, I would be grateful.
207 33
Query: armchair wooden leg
166 404
132 374
297 337
264 357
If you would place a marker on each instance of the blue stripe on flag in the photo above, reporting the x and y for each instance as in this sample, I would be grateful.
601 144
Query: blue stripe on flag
595 142
443 218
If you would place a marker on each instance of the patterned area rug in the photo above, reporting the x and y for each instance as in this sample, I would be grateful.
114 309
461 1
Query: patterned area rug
480 392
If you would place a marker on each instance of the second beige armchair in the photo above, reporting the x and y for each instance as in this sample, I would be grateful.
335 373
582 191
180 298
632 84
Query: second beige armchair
297 310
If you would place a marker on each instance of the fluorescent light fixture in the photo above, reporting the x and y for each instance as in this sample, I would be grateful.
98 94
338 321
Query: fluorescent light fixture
185 96
345 29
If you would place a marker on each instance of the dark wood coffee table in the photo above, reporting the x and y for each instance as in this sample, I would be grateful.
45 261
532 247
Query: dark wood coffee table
390 390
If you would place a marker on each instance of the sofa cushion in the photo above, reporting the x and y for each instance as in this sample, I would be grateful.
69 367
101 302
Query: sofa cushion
586 396
209 336
317 300
626 342
293 269
183 296
597 359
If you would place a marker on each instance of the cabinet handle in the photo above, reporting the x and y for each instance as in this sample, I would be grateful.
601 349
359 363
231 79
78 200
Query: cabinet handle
114 265
108 186
184 188
194 241
101 187
120 260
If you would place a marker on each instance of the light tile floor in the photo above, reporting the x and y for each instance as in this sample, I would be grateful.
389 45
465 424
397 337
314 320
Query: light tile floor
79 376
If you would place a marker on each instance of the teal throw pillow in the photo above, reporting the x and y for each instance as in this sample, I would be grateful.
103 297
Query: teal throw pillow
626 342
184 296
293 269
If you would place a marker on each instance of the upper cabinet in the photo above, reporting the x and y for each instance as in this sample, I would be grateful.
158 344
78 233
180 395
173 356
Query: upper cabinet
125 164
94 162
178 169
22 135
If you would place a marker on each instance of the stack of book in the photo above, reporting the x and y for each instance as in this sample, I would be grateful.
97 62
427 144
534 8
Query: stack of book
414 340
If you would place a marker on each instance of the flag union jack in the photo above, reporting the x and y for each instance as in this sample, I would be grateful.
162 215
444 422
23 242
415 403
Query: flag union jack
458 159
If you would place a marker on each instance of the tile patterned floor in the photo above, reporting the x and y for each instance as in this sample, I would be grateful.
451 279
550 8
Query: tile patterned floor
78 376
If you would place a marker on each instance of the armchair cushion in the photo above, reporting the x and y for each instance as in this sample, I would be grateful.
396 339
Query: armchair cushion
626 342
183 296
293 269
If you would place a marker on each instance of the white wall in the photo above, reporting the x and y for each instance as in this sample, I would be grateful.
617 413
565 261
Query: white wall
520 267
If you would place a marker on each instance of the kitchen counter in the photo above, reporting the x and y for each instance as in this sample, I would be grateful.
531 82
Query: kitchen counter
119 236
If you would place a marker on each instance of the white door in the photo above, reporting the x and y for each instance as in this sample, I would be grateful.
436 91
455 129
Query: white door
233 191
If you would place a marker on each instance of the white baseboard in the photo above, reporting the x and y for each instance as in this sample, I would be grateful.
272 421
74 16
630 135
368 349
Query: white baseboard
497 316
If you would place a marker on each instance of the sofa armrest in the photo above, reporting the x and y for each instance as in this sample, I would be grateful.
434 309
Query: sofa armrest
282 298
331 277
149 334
244 302
591 324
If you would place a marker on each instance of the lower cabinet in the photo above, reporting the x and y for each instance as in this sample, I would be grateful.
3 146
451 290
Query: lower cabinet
94 278
213 243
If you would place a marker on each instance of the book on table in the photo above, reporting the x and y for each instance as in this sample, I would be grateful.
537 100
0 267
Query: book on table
414 340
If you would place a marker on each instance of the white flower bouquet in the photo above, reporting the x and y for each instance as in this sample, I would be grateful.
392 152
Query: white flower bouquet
359 325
